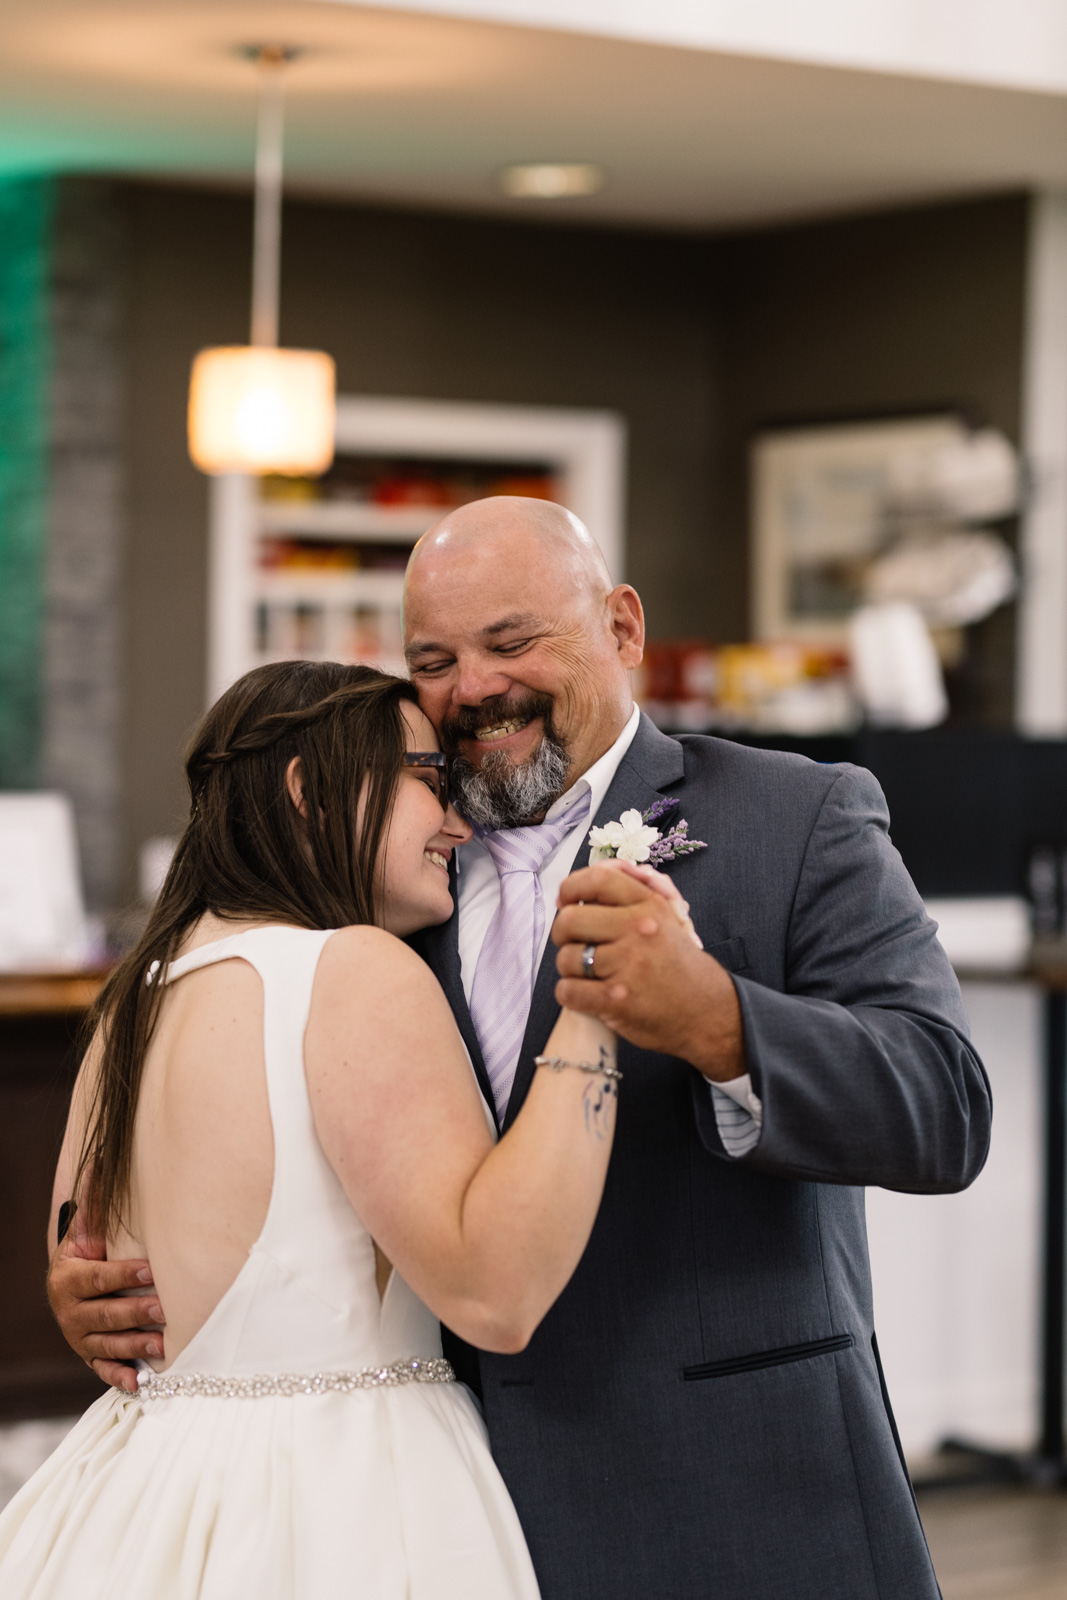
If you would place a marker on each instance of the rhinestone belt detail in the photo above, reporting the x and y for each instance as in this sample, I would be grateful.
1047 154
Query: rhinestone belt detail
209 1386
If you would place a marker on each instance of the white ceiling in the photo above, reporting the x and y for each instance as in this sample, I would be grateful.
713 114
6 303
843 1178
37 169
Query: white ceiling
423 109
1018 44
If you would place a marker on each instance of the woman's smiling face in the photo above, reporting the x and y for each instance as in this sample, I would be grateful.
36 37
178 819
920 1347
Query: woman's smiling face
419 840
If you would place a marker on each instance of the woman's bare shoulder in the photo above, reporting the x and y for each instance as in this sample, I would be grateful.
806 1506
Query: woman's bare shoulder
376 1005
365 944
364 961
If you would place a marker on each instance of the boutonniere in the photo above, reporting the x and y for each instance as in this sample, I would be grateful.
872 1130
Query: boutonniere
633 837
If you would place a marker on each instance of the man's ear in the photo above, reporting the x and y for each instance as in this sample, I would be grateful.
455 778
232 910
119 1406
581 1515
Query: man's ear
627 624
294 783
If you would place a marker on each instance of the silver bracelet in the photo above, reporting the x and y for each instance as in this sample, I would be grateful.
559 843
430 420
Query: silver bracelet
557 1063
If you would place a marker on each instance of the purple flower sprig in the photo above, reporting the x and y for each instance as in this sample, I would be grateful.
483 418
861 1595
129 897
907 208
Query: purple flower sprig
673 844
659 808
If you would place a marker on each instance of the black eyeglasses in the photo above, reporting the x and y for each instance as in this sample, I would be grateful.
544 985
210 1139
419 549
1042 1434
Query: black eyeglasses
436 762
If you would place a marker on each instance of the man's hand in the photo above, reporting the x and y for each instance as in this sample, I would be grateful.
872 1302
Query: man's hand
652 985
99 1308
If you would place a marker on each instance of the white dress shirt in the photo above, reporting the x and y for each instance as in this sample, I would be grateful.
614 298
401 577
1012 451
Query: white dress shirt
738 1112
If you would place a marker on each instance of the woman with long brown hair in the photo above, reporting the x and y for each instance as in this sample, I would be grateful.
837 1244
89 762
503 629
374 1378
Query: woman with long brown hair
276 1109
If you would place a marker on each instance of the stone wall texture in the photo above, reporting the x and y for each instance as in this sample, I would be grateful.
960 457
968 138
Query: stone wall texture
81 750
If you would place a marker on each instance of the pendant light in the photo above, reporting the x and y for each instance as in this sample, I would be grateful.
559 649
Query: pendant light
256 408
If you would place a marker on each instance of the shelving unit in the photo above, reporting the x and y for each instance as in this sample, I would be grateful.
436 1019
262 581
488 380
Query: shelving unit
314 568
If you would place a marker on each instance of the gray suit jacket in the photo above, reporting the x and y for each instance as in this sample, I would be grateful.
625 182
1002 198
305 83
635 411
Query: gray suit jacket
702 1414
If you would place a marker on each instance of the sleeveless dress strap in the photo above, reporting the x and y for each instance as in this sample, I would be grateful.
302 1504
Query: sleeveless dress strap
206 955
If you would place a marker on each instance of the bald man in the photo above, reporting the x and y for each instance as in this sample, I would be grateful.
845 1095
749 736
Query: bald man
702 1414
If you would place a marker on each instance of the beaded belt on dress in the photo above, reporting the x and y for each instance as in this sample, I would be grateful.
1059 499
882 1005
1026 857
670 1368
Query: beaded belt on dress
212 1386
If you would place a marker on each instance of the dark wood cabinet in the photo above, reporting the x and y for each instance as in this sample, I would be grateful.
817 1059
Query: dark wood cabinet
39 1023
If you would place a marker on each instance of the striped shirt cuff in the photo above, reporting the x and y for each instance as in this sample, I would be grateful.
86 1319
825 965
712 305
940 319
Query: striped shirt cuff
738 1116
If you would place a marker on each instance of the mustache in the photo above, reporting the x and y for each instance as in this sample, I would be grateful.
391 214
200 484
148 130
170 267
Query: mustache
466 722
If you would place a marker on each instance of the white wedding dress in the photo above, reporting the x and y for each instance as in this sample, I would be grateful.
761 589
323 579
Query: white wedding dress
368 1486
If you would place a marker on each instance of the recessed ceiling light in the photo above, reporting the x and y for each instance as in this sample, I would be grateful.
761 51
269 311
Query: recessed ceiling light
551 180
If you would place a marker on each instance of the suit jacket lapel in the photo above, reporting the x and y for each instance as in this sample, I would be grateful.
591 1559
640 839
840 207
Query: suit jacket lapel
439 948
652 762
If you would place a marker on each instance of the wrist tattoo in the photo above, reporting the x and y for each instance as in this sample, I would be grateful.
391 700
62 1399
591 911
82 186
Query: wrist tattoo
597 1101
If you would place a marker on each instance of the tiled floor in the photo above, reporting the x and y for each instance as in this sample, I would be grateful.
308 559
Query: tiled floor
1004 1544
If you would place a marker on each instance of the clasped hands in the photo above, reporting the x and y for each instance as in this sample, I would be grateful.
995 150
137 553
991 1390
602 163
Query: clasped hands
653 983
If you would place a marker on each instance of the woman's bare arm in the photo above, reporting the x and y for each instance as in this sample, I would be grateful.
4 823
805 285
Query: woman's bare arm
486 1234
73 1135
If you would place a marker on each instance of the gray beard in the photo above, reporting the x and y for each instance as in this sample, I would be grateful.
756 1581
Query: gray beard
499 794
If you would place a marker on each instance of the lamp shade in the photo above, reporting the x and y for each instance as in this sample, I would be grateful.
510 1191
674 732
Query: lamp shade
255 408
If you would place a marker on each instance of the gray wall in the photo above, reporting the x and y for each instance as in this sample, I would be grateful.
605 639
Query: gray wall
695 340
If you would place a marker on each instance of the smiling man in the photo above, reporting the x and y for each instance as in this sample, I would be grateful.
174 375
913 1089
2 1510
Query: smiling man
702 1414
525 682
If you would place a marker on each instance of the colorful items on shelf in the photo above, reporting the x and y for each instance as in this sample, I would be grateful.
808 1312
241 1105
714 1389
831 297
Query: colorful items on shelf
307 555
406 484
337 556
769 688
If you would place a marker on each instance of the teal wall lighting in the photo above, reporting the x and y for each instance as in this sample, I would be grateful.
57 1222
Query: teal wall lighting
26 207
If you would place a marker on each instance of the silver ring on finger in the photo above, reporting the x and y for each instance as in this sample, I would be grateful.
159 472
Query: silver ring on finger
588 961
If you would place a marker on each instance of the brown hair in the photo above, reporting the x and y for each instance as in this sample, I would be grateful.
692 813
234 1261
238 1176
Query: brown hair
247 852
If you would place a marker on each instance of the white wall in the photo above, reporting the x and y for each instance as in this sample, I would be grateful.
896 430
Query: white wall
1012 43
956 1276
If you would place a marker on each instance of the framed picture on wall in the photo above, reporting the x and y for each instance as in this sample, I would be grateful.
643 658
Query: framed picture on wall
822 501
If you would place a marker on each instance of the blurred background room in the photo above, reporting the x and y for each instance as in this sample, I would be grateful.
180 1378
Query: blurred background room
774 297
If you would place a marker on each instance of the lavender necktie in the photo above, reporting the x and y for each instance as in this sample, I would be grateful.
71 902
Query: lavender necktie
504 976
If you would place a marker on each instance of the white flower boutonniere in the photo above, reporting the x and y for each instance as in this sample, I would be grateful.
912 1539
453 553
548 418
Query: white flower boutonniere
628 839
633 838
